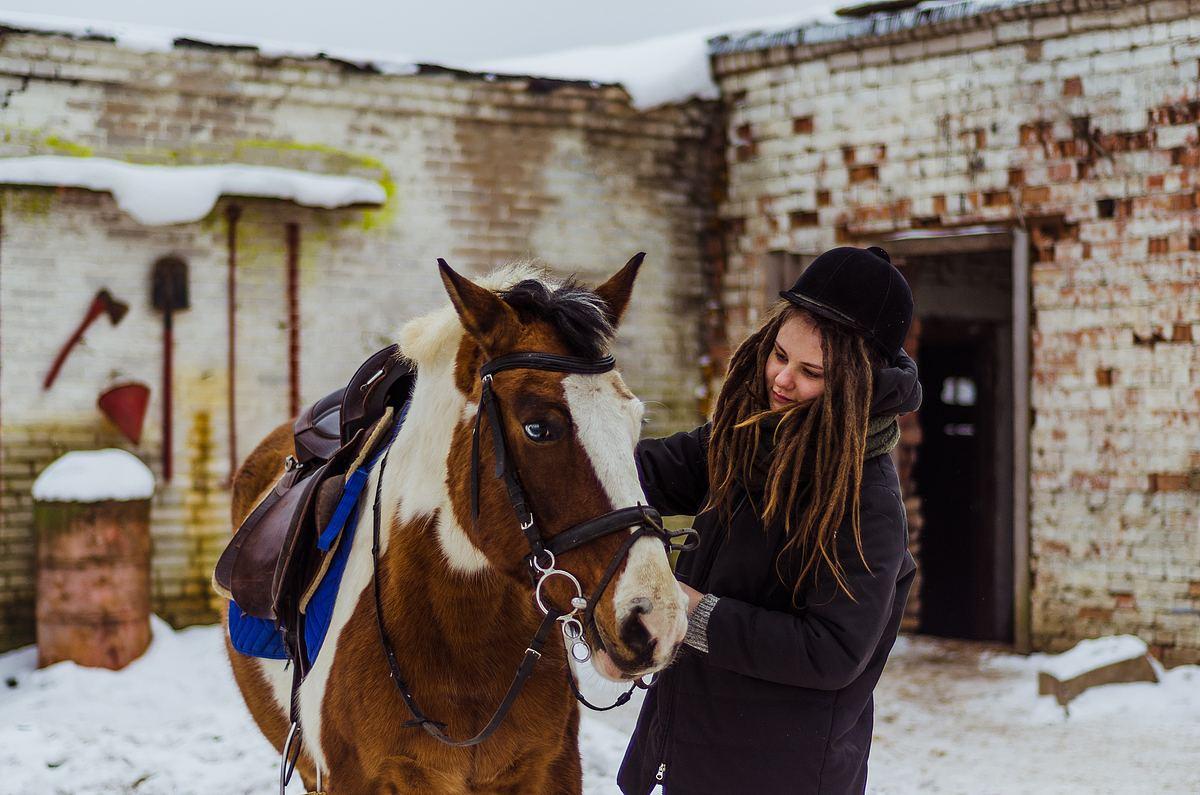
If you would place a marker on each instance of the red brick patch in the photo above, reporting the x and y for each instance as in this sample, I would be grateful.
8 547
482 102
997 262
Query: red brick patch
1016 177
1062 172
1095 613
1073 87
1039 195
1169 481
864 173
1158 245
802 125
1194 589
1035 132
1104 376
823 198
1057 547
799 218
848 155
1181 332
1123 600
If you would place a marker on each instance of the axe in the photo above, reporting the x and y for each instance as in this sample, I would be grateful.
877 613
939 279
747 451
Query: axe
102 304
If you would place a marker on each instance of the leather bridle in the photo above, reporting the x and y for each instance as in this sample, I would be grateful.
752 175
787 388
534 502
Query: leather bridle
542 560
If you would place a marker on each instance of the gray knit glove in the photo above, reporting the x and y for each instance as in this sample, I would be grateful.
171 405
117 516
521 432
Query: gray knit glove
697 631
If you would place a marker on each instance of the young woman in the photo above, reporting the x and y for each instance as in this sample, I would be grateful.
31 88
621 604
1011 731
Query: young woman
798 584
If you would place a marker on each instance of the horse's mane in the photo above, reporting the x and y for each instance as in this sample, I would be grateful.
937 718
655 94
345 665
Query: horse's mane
578 314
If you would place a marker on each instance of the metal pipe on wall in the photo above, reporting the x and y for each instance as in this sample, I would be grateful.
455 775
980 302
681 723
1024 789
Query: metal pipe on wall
232 214
293 314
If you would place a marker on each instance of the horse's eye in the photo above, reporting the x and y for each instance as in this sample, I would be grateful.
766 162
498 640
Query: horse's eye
540 431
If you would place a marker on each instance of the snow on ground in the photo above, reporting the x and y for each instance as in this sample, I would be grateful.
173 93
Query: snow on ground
157 195
950 717
94 475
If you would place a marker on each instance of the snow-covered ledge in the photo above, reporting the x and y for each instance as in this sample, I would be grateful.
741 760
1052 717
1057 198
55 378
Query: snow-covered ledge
160 195
95 476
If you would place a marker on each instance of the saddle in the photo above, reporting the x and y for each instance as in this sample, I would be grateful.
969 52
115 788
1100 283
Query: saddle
279 554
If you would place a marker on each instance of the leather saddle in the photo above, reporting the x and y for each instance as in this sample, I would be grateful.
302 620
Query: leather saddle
273 559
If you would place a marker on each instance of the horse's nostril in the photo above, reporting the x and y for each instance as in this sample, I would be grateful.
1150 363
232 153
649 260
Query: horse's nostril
640 606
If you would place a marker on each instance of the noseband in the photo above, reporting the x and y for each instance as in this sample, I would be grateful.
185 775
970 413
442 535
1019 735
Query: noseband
542 560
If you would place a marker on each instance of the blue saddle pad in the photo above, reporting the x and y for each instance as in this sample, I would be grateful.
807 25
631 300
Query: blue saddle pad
259 637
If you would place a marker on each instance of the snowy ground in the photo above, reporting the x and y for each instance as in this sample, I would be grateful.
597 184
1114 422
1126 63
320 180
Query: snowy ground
950 717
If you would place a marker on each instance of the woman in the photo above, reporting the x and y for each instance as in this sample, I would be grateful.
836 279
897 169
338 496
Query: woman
798 584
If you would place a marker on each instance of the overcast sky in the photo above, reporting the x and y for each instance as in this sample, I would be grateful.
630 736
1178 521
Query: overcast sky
430 29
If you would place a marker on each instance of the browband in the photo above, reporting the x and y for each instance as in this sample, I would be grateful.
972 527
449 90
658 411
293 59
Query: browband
548 361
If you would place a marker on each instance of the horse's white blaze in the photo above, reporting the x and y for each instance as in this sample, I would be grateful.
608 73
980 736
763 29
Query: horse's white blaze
607 421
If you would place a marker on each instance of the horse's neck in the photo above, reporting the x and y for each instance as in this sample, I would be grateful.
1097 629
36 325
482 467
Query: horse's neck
461 606
457 619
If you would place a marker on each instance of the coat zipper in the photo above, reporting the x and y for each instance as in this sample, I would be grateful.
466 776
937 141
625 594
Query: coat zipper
669 705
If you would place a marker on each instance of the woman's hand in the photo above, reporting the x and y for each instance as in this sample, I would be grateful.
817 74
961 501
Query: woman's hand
693 597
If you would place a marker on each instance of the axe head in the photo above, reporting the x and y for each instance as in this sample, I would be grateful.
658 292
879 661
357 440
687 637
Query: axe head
112 307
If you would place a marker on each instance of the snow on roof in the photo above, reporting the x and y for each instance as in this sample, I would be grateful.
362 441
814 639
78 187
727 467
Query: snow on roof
149 38
654 71
930 12
1088 655
93 476
159 195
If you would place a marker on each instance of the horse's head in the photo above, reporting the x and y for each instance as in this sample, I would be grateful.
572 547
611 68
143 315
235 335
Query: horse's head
569 439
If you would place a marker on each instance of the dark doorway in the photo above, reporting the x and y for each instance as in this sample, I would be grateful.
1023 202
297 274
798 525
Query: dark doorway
964 466
961 555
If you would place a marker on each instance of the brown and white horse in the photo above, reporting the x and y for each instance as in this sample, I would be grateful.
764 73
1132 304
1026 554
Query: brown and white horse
456 594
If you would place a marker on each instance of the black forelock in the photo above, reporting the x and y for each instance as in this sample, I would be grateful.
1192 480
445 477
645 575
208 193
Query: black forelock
579 316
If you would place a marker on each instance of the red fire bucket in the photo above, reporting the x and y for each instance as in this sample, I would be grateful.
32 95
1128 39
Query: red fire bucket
125 405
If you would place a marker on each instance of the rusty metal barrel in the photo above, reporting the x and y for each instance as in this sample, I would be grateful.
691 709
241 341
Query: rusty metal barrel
92 515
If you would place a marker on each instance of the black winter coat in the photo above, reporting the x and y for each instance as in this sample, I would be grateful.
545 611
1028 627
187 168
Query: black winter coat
782 701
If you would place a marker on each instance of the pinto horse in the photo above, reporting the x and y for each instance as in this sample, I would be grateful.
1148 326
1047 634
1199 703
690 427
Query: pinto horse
454 583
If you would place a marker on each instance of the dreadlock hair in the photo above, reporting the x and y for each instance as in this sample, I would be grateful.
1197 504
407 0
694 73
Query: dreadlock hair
820 443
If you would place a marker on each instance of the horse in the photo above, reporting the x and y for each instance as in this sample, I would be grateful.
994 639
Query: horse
452 577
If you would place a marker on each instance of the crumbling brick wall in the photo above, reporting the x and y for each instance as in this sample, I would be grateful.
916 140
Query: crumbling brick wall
479 171
1079 121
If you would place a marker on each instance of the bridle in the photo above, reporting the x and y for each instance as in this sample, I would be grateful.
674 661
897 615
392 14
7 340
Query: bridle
542 559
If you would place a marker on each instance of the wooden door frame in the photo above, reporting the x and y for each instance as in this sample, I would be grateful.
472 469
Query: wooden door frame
963 240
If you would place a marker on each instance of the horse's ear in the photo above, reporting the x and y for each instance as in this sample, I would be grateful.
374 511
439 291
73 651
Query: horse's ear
619 287
484 315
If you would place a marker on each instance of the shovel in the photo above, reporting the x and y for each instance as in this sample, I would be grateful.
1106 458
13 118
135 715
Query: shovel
169 294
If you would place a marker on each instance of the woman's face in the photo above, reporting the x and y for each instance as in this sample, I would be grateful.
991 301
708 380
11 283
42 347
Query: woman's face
795 371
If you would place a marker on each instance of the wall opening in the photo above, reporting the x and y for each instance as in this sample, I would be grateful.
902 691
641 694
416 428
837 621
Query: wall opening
963 475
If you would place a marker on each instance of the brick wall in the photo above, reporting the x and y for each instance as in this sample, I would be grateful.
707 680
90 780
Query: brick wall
478 171
1077 119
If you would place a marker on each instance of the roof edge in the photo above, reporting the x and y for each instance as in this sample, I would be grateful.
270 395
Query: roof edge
817 40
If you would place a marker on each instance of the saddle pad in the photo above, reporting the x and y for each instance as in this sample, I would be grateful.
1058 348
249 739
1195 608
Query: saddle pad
259 637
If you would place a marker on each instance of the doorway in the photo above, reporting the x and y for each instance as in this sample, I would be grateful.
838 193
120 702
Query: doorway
963 472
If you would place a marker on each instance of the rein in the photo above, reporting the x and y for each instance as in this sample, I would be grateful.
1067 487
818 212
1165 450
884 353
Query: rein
543 552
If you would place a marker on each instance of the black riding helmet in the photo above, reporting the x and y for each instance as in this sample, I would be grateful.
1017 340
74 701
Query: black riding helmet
859 288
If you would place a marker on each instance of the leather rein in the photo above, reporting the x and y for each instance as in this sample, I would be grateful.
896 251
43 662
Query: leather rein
640 520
